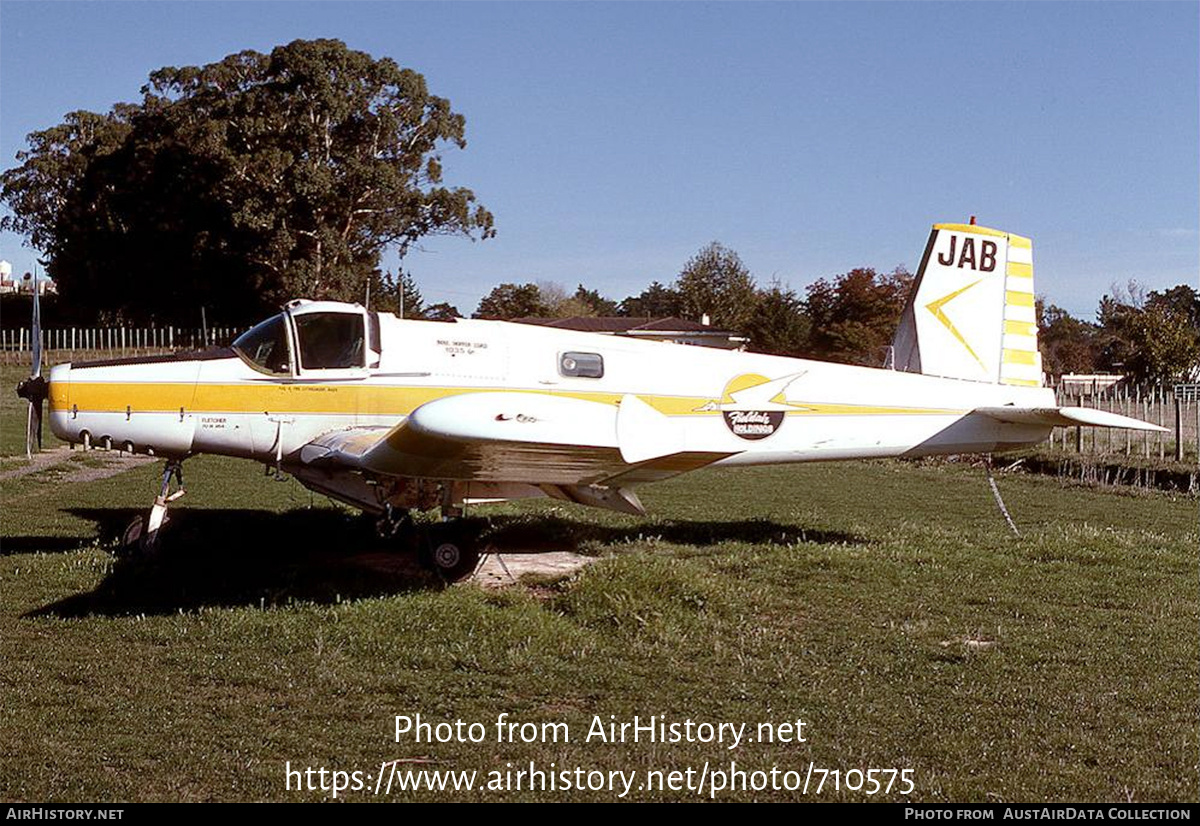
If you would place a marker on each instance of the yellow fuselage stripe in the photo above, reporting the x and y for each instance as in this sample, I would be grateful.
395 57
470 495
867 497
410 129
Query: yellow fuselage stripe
372 400
1018 299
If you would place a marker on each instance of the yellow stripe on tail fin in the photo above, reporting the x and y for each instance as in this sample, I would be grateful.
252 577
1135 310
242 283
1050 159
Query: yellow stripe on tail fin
1022 363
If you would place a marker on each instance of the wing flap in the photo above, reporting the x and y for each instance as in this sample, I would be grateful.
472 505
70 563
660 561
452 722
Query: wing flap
1066 417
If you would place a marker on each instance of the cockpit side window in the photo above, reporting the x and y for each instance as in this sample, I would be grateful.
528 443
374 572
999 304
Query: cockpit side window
331 341
266 346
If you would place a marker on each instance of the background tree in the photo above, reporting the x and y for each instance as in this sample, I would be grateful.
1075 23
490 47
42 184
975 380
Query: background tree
1182 302
555 300
512 301
854 317
442 312
585 303
1067 344
1151 337
779 325
397 294
716 282
241 184
656 301
596 305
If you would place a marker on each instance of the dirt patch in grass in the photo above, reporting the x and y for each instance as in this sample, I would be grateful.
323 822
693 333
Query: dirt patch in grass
501 570
496 570
99 465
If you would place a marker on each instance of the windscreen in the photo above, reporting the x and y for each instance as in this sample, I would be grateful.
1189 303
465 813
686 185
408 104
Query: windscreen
266 346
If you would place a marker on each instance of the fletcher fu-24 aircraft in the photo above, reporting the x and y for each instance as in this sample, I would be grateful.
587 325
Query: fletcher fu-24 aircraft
392 416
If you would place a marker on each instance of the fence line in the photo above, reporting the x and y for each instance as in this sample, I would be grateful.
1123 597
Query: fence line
1179 412
123 340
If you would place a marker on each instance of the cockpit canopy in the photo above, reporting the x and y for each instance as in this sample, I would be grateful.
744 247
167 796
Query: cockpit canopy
308 336
331 341
266 346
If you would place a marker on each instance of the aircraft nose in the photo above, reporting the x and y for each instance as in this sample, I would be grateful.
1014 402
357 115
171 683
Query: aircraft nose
34 390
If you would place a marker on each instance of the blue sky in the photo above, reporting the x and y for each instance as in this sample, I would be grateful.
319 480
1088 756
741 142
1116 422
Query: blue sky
613 140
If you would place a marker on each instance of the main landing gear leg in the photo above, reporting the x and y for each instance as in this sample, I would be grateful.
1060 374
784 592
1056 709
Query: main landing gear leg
394 521
143 532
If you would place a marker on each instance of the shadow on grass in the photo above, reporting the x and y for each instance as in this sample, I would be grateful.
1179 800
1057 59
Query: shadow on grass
13 545
230 558
545 532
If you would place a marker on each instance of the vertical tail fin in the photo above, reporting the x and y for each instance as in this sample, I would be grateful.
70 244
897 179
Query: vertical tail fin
971 313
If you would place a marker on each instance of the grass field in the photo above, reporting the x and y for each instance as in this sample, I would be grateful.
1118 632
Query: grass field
884 604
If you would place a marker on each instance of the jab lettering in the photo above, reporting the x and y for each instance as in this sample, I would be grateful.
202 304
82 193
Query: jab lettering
966 256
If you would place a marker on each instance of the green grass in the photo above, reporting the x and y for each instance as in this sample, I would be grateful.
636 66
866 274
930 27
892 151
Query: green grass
885 604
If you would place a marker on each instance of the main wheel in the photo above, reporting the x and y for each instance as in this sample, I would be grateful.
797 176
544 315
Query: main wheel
451 553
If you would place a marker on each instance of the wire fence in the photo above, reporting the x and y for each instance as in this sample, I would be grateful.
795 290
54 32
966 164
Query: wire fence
73 343
1176 408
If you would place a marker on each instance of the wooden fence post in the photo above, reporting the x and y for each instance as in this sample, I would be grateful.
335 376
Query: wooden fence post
1079 430
1178 429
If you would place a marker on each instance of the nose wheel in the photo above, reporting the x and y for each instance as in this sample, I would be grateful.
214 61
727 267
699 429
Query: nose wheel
143 532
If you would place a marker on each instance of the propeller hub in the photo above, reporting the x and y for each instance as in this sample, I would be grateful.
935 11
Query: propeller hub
34 389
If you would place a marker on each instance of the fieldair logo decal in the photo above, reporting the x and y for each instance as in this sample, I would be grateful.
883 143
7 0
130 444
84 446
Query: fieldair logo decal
754 406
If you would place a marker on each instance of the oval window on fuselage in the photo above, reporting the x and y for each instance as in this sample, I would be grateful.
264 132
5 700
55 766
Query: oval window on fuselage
581 365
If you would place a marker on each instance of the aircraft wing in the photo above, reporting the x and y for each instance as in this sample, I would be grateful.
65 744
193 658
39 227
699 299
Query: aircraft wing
1065 417
534 438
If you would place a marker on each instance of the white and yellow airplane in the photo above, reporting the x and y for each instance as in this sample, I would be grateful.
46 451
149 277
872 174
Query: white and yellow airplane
393 415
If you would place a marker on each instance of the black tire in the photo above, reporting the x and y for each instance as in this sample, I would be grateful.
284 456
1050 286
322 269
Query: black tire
133 538
452 554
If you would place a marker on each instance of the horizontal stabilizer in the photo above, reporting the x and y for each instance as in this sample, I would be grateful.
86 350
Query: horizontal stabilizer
643 433
1065 417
